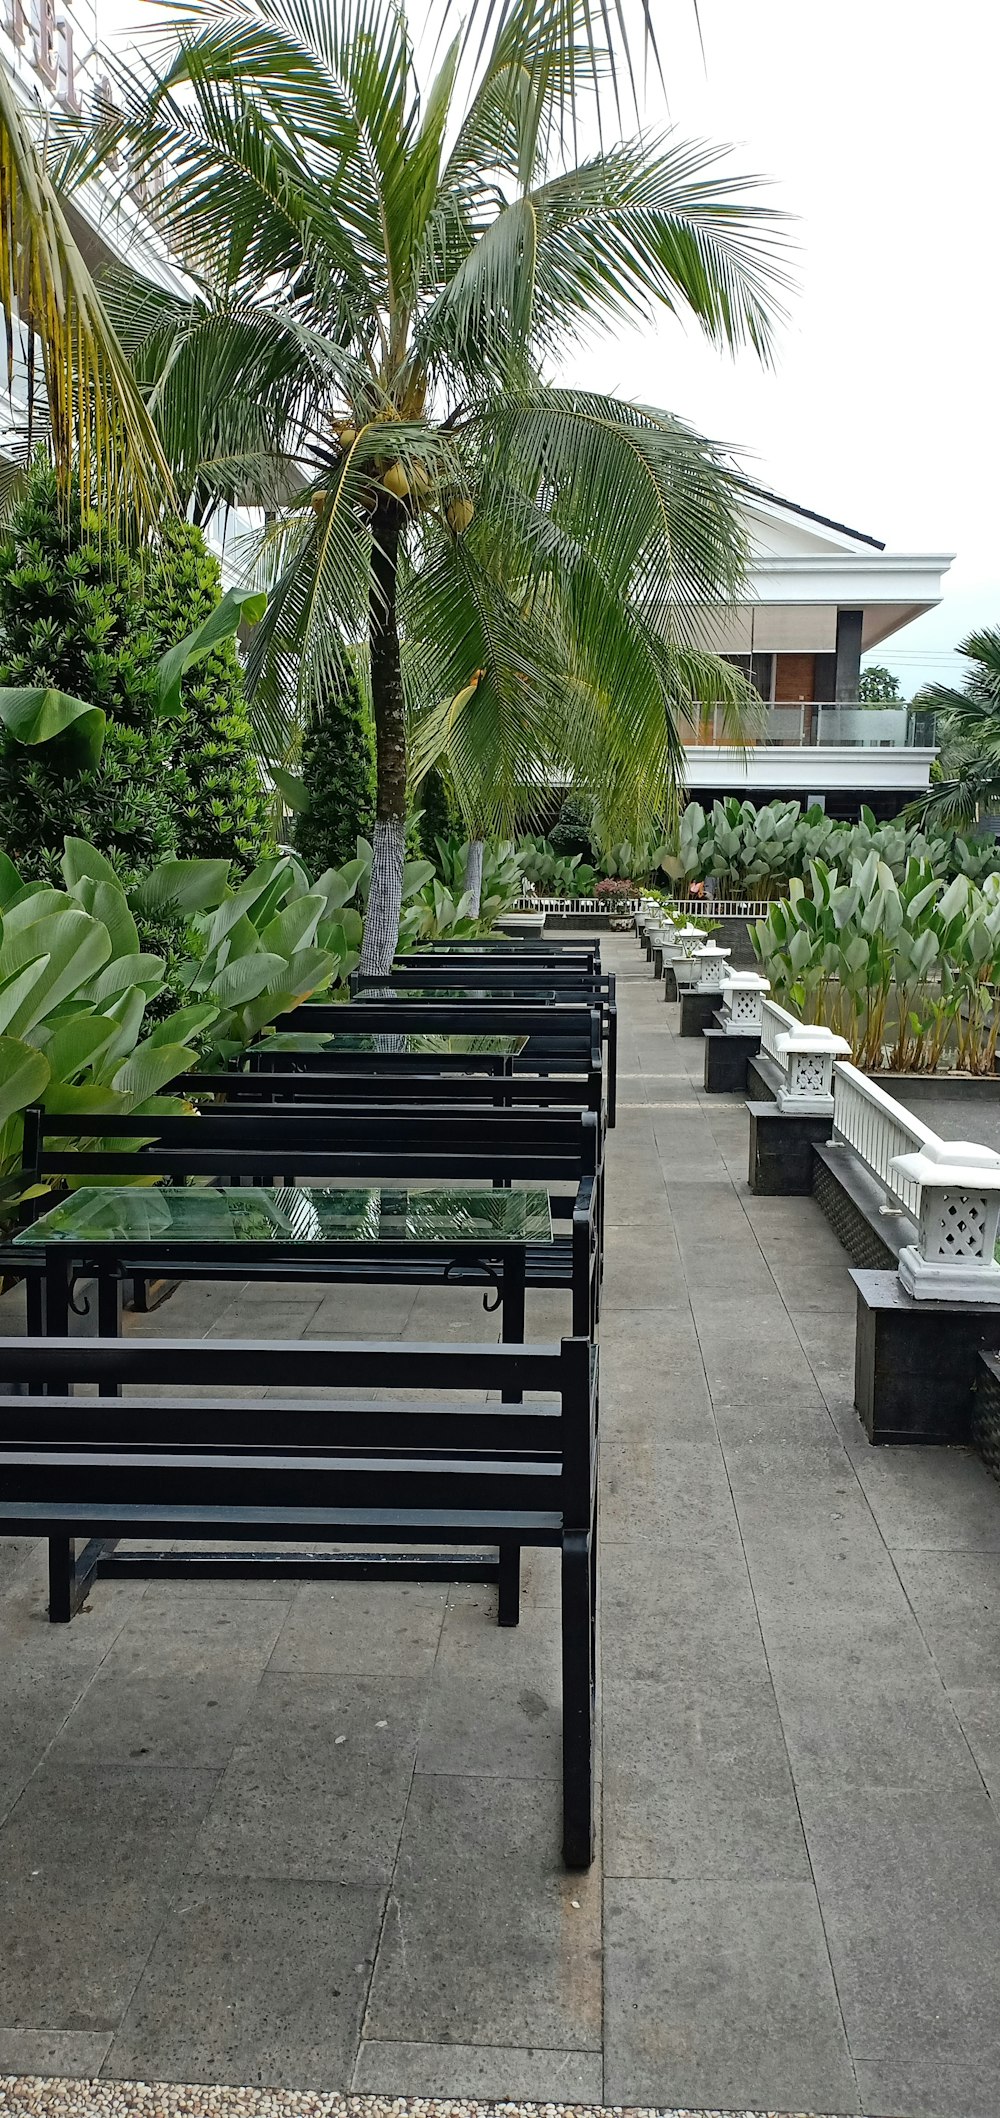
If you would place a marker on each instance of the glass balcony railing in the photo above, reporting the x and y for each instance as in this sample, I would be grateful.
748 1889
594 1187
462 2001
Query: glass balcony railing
809 723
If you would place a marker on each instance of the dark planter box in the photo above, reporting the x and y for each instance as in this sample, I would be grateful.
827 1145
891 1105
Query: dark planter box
986 1412
726 1061
781 1150
698 1011
916 1363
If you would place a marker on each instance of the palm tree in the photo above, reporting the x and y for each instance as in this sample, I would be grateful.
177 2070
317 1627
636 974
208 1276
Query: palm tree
968 729
383 282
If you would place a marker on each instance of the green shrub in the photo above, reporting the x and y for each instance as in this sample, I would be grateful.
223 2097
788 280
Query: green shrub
223 811
338 773
73 615
439 814
571 832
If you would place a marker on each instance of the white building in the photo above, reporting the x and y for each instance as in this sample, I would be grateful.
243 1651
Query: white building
821 596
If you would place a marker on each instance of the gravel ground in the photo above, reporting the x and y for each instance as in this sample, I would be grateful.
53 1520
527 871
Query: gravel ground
35 2097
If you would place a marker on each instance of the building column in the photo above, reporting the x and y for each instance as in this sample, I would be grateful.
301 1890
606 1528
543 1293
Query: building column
848 656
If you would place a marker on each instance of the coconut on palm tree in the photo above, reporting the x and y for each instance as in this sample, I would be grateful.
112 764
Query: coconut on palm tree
383 282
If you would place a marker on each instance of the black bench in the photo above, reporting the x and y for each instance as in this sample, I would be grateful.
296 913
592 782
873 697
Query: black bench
502 983
338 1473
561 1038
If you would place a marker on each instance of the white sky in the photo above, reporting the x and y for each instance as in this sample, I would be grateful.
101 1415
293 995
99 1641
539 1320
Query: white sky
876 121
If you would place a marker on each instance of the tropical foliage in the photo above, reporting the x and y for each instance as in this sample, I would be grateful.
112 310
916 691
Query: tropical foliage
78 992
336 775
968 731
903 966
75 626
121 697
555 874
878 686
756 852
385 278
222 808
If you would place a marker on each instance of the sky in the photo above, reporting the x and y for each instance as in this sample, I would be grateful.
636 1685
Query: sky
874 122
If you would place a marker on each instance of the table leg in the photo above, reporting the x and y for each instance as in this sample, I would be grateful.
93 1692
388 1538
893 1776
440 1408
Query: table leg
109 1319
512 1312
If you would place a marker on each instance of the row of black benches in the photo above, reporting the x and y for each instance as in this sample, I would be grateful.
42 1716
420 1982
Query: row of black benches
371 1480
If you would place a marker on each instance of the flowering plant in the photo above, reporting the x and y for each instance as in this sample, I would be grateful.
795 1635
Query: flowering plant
615 886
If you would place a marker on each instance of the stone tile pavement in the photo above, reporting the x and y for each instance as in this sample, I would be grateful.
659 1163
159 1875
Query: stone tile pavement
308 1838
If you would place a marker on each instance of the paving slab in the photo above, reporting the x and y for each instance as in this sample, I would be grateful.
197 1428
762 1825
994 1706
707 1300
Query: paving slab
487 1938
478 2071
697 1784
89 1861
723 1983
261 1982
910 1888
317 1785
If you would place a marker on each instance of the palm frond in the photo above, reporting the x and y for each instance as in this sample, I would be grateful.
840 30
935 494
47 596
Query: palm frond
97 417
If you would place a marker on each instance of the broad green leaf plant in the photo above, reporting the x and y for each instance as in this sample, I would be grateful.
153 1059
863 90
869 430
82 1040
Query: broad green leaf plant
905 968
76 985
755 852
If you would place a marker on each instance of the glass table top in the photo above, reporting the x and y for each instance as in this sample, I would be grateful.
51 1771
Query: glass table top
122 1214
413 1045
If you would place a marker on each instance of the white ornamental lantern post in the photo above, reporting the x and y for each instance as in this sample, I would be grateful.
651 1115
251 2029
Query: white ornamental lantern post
711 962
808 1056
743 996
954 1256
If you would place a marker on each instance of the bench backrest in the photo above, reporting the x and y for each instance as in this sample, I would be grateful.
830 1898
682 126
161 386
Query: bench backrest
290 1452
570 982
334 1143
562 1029
321 1088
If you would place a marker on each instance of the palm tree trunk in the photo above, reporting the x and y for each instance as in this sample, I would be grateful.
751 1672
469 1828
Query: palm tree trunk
474 875
381 935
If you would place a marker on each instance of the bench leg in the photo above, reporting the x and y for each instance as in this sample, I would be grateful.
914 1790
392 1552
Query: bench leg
509 1599
71 1574
578 1686
62 1579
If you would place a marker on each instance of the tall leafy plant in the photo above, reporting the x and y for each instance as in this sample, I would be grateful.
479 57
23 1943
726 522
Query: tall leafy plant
904 968
387 277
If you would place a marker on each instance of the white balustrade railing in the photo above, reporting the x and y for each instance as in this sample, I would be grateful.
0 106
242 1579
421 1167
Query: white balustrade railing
878 1128
948 1189
671 907
719 907
619 907
775 1022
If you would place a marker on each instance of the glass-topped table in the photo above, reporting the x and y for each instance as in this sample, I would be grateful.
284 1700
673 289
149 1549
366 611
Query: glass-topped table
397 1044
289 1216
377 1234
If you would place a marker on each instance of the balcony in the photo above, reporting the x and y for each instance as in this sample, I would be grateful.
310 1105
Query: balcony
809 749
808 724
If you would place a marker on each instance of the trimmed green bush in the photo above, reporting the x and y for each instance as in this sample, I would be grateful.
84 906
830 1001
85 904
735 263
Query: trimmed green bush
73 615
223 811
338 773
439 814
